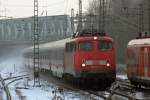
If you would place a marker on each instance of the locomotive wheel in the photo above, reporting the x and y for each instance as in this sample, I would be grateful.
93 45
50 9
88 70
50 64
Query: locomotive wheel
102 84
71 79
109 82
134 83
84 83
77 82
68 78
64 77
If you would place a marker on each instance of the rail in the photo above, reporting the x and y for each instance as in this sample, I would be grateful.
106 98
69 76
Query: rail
5 88
120 87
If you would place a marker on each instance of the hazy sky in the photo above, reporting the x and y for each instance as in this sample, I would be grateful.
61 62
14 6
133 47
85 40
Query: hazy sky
24 8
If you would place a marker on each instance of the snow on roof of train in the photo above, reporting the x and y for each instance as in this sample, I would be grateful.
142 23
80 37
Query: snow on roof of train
50 45
139 41
55 44
61 43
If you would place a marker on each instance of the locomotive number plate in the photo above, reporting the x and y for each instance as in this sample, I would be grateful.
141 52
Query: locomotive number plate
89 62
102 62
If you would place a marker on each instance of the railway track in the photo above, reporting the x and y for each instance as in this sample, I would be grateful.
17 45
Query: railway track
20 95
17 89
9 81
121 88
1 92
125 83
6 89
126 89
106 95
63 85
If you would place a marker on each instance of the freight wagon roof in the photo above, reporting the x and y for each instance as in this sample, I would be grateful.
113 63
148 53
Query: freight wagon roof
139 41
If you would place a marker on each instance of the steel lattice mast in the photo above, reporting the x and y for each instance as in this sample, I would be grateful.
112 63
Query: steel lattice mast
72 20
100 8
141 18
80 16
36 44
102 16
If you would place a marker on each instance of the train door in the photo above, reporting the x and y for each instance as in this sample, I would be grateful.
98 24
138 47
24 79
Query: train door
148 62
132 63
69 58
146 58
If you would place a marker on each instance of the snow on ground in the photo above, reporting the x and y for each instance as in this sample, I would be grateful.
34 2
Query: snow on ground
11 67
2 93
24 88
47 91
124 77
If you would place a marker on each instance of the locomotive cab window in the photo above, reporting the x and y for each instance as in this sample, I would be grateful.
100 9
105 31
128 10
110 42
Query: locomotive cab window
105 45
85 46
70 47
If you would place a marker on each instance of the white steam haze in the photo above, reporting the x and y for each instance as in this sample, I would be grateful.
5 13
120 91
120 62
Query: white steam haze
11 58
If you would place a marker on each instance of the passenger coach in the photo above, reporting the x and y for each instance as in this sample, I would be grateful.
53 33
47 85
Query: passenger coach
138 61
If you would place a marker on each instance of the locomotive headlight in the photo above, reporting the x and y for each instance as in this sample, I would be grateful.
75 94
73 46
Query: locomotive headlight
83 65
95 38
108 65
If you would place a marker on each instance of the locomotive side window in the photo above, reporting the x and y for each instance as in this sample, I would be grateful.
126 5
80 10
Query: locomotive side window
85 46
105 45
70 47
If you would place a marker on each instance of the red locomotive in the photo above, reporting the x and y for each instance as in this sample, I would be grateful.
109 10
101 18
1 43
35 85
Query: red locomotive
83 57
138 61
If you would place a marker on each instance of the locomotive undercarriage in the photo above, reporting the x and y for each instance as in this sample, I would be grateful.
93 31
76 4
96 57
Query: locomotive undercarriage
91 80
140 81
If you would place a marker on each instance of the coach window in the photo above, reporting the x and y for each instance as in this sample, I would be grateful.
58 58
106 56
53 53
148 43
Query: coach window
85 46
132 58
70 47
105 45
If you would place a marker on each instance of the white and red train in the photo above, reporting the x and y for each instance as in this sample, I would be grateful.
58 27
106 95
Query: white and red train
138 61
82 57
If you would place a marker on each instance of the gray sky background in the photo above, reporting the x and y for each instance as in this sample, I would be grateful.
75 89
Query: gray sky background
24 8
